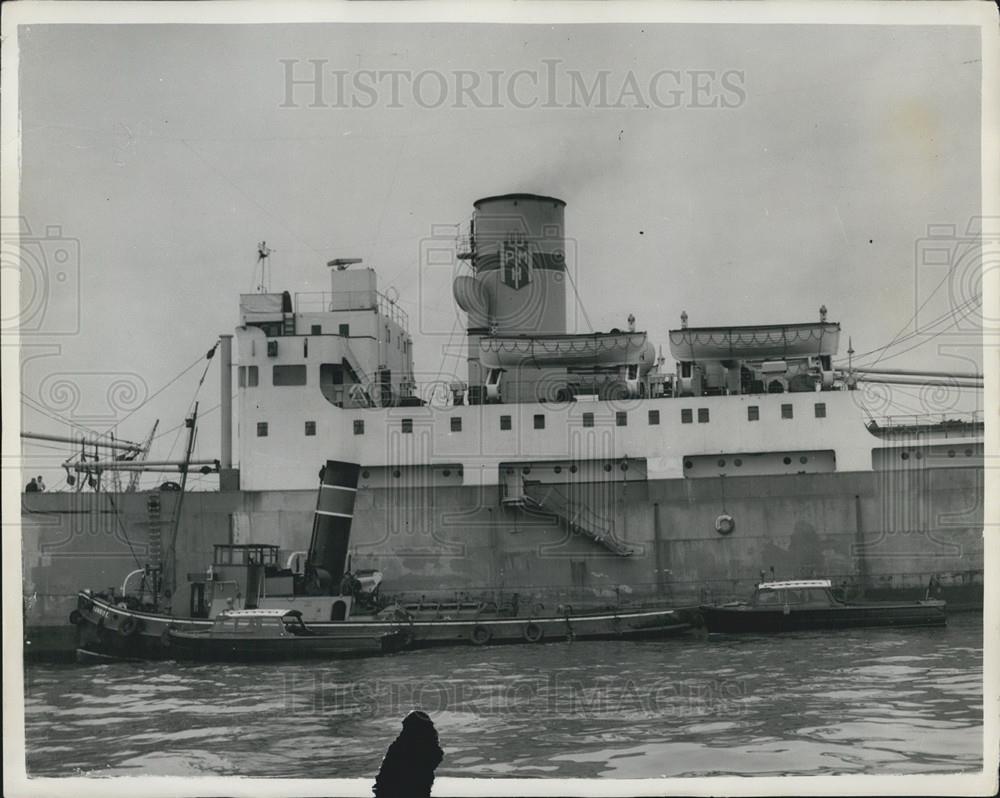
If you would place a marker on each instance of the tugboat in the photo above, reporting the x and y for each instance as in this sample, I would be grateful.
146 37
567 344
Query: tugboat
339 608
798 605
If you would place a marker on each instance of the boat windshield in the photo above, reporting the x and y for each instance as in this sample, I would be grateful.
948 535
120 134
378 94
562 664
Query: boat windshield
800 597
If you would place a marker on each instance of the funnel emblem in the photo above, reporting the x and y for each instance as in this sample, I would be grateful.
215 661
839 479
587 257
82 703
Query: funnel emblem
515 263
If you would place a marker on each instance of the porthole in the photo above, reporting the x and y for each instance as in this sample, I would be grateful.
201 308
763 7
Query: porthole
365 474
510 471
968 452
722 463
803 459
919 455
572 469
558 469
737 462
624 466
688 464
526 470
395 473
607 466
447 472
905 456
951 452
787 460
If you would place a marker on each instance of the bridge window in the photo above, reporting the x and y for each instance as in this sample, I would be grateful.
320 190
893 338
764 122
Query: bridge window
702 415
588 419
359 426
786 411
686 416
289 375
504 422
261 429
539 421
407 425
310 428
654 417
820 408
753 413
621 419
456 423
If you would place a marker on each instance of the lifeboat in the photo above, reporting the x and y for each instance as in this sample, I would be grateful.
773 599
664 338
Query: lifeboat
764 342
568 351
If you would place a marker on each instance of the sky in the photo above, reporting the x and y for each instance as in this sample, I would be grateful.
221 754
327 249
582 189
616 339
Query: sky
163 154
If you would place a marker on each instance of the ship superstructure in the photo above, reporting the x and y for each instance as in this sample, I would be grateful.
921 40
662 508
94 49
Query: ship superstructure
568 467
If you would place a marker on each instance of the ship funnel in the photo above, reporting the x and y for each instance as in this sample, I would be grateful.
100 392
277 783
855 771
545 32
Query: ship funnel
331 532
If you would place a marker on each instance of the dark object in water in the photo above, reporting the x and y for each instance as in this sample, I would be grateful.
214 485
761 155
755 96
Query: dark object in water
407 769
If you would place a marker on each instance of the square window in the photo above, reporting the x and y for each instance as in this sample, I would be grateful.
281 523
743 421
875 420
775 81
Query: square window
359 426
786 411
407 425
753 413
456 423
345 330
539 421
261 429
686 416
702 415
310 428
252 376
588 419
820 409
242 378
316 329
621 418
504 422
654 417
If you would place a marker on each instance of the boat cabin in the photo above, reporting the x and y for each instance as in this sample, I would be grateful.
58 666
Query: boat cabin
800 593
248 577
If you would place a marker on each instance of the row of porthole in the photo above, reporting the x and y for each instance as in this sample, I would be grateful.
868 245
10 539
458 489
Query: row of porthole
396 473
920 455
739 462
572 469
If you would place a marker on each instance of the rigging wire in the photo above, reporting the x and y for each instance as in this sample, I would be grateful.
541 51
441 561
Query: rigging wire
973 303
121 526
923 304
572 282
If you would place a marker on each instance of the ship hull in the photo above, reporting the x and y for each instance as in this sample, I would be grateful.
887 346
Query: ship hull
881 535
736 620
106 631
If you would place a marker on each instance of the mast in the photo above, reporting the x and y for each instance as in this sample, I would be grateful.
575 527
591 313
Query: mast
170 580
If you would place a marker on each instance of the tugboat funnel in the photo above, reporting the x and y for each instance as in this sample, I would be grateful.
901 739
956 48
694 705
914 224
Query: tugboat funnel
331 533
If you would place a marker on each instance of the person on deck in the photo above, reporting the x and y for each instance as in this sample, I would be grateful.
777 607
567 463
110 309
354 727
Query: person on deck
408 767
41 482
31 487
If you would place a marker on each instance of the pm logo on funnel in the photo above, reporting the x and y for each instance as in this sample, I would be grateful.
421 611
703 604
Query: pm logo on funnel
515 263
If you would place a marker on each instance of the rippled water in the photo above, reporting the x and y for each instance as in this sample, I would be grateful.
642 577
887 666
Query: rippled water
864 701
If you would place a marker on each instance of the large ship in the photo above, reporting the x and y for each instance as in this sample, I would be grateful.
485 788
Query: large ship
565 468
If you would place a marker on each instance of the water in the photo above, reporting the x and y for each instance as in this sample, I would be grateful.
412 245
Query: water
863 701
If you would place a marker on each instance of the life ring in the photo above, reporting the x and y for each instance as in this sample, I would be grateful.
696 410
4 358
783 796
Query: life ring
128 627
76 617
480 635
724 524
532 632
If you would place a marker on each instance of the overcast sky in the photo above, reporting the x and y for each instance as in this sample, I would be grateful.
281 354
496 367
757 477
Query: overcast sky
166 153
